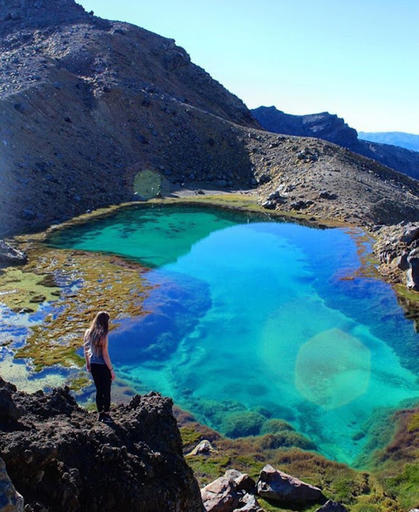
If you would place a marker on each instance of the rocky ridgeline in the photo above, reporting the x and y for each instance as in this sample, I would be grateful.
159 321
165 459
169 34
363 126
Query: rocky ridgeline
60 458
322 180
17 14
334 129
86 104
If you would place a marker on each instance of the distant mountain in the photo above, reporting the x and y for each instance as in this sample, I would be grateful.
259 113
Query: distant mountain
334 129
402 139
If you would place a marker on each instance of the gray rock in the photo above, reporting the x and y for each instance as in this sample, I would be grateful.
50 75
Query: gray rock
324 194
220 495
203 448
269 204
276 196
332 506
300 205
10 499
251 504
11 256
242 480
229 493
410 235
412 274
285 489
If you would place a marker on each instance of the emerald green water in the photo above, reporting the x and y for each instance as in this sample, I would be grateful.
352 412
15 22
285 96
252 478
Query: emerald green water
250 320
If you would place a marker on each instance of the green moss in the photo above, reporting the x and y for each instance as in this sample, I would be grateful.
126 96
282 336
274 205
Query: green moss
190 436
273 426
207 469
405 486
243 423
413 423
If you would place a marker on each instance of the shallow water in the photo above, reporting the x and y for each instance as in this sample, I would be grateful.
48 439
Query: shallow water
251 319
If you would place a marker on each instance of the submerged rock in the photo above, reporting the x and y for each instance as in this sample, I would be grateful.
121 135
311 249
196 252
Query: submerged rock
285 489
61 458
10 499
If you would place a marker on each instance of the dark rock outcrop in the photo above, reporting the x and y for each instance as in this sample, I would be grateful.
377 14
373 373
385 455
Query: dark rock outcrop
334 129
322 126
60 458
283 489
10 256
10 499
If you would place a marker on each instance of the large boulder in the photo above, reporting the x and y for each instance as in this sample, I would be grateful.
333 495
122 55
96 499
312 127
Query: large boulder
10 499
230 493
61 458
284 489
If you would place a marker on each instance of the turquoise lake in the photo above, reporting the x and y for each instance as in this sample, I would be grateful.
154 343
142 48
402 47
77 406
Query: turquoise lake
250 319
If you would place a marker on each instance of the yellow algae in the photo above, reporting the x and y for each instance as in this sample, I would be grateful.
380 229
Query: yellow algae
26 290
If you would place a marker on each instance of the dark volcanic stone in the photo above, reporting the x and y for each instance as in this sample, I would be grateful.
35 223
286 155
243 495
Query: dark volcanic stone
10 499
11 256
60 457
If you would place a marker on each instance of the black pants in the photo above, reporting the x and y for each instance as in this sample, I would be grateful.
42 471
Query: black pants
103 380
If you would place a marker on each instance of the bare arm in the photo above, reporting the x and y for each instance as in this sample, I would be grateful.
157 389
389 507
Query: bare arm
86 354
106 358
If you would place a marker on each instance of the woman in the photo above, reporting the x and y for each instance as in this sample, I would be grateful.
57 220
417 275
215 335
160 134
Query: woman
99 363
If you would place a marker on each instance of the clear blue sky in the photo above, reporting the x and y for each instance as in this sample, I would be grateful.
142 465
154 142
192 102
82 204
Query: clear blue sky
356 58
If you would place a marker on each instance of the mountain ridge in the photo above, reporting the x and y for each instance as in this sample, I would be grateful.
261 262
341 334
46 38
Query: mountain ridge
402 139
334 129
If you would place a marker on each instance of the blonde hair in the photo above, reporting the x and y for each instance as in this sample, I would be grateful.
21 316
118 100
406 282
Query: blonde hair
97 331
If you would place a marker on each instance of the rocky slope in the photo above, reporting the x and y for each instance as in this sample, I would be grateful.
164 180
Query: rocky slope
334 129
57 453
86 104
323 180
